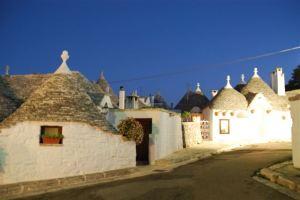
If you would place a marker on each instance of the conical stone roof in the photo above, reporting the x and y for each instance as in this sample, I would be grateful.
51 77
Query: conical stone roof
8 101
104 86
229 99
159 102
257 85
61 98
192 99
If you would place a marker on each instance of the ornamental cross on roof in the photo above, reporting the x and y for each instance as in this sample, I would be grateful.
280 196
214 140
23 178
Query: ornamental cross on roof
7 70
63 68
255 72
243 79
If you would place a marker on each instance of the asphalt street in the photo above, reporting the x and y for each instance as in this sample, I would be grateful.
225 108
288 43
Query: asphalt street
224 176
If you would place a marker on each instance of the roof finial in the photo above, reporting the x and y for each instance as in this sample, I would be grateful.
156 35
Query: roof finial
65 56
63 68
7 70
102 75
198 88
255 72
243 79
228 85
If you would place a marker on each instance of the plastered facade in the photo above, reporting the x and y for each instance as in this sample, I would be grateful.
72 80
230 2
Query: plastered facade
85 150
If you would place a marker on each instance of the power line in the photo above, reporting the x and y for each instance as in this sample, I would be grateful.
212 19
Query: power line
188 70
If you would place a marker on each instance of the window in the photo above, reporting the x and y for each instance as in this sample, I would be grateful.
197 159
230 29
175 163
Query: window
224 126
51 135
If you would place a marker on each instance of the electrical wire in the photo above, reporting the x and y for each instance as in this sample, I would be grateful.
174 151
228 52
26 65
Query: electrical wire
188 70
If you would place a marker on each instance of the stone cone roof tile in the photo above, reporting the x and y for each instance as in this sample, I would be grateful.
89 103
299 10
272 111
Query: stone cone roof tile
192 99
61 98
103 85
229 99
159 102
257 85
8 101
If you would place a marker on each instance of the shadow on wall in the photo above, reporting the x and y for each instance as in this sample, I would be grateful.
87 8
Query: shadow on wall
2 159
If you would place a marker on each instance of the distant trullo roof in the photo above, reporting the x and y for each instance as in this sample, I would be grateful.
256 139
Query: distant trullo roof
241 84
229 99
257 85
191 100
61 98
159 102
104 85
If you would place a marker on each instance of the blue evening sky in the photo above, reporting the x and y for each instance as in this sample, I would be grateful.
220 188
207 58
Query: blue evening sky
136 38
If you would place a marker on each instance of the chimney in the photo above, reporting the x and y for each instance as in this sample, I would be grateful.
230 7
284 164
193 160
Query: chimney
278 81
122 98
135 104
152 100
214 93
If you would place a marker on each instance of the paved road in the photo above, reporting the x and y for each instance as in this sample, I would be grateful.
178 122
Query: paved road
224 176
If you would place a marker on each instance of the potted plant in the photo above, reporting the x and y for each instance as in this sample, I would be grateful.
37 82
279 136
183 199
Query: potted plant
132 130
52 138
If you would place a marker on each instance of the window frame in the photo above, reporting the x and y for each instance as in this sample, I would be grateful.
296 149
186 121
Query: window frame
220 126
42 131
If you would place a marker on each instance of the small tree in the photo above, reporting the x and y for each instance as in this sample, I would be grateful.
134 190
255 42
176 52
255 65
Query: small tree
294 82
132 130
186 116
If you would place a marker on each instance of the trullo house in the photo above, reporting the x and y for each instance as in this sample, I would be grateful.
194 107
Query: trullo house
253 113
64 104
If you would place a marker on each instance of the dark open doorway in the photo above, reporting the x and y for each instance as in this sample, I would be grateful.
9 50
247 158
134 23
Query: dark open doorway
142 150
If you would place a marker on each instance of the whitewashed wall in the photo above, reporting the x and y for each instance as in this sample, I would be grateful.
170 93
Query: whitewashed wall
84 150
251 127
295 109
237 126
166 134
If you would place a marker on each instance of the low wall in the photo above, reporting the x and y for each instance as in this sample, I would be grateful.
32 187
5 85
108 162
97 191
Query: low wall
38 187
295 110
191 133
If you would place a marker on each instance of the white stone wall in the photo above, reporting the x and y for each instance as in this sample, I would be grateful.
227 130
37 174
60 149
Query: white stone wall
84 150
166 134
192 133
251 127
295 109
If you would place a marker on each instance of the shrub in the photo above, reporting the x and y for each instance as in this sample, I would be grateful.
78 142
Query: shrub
186 116
132 130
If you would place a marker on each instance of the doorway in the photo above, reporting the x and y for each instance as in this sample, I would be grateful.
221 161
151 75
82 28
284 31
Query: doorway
142 150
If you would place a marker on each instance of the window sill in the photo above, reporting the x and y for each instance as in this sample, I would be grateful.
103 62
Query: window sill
55 145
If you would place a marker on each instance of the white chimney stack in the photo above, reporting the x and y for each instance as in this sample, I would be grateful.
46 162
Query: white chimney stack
122 98
152 100
278 81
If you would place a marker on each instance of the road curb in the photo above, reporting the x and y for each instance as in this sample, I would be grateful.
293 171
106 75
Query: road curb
271 175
